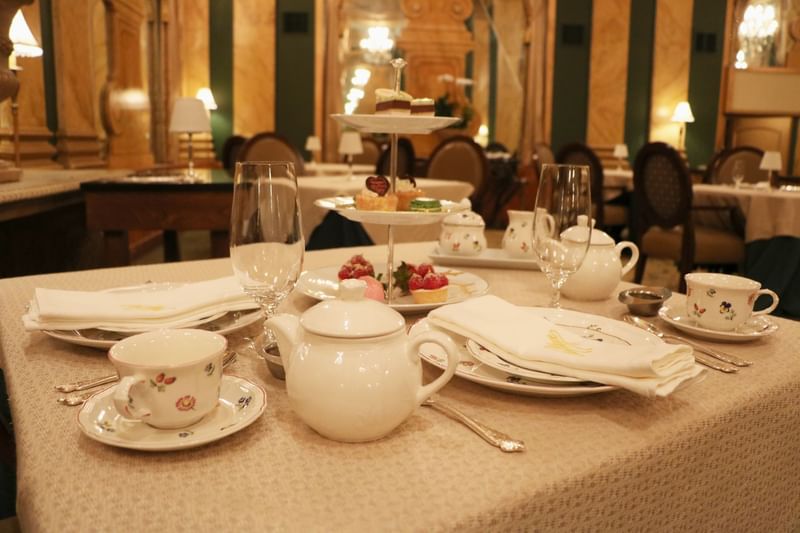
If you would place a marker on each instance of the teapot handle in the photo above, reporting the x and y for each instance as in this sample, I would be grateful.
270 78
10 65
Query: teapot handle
634 255
453 359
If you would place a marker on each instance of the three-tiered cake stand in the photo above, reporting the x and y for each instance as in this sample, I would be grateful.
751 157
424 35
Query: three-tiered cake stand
394 125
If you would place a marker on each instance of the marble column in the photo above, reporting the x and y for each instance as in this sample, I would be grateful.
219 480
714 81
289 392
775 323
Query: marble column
254 66
608 72
671 53
78 142
34 135
125 99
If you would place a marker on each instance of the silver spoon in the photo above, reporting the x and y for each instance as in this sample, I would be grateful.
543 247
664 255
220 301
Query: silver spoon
493 437
652 328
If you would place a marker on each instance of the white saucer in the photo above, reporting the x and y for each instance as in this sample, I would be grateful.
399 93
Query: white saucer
323 284
489 258
755 328
240 404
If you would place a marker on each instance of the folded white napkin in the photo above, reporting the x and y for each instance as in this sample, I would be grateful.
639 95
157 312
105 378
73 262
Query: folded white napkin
516 334
146 308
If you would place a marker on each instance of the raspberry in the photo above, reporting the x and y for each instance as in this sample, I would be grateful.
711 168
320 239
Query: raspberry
415 282
346 272
434 281
423 269
361 270
360 260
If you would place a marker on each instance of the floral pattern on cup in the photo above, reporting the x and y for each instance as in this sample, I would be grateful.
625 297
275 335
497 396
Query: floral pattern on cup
209 369
727 311
185 403
711 292
161 381
698 311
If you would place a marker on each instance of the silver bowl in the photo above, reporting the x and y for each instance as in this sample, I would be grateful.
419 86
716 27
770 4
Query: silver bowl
645 301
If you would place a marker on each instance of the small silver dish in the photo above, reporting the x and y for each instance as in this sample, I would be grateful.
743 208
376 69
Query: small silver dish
645 301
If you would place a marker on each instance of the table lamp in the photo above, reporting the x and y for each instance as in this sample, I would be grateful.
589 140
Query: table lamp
620 152
189 115
313 145
771 162
350 145
25 45
682 114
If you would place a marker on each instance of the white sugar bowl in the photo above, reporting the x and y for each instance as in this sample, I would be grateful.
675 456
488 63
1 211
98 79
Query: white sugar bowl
462 234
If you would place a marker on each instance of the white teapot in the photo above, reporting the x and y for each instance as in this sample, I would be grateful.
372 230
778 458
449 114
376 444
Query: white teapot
462 234
352 374
602 269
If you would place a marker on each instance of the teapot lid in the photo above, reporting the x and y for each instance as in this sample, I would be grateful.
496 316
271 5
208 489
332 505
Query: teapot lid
351 315
464 218
578 233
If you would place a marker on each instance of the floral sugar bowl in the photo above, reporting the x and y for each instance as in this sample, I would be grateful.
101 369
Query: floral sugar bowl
462 234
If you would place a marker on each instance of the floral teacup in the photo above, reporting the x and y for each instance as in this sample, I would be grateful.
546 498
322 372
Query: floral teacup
168 378
723 302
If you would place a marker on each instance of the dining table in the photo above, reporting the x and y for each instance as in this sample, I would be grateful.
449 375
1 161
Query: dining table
769 219
718 455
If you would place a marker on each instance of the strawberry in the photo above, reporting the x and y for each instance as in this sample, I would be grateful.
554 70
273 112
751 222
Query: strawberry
360 270
359 260
434 281
415 282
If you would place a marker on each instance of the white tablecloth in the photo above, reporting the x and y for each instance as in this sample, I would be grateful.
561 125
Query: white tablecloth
313 188
721 455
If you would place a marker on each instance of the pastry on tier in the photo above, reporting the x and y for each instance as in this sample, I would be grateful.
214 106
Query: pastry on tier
433 288
422 107
375 195
389 102
425 205
406 192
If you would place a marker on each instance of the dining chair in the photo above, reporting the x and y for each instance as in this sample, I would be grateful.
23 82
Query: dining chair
371 153
542 155
749 156
459 158
664 225
405 158
269 146
606 215
230 151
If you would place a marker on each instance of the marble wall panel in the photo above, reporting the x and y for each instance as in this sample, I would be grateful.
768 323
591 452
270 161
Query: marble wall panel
509 20
481 31
254 66
608 72
193 46
671 49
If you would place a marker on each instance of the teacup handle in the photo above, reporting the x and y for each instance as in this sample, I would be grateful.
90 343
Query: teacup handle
453 359
772 307
122 395
634 255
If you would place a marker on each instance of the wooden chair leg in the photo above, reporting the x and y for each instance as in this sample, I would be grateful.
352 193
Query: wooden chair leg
640 265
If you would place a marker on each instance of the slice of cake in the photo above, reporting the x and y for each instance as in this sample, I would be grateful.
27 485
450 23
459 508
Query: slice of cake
375 195
389 102
407 191
422 107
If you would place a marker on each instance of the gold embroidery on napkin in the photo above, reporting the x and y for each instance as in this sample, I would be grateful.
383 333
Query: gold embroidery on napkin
140 307
557 342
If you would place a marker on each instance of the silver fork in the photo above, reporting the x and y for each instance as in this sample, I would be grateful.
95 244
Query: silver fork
78 399
493 437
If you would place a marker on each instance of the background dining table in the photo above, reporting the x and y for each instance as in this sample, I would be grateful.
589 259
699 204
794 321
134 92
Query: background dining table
719 455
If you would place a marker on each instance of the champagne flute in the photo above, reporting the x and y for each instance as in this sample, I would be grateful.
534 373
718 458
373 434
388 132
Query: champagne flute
561 228
266 239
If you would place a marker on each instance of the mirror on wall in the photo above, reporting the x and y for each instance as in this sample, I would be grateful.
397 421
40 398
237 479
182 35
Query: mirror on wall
767 34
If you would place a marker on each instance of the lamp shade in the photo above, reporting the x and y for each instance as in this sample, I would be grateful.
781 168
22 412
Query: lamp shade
683 113
620 150
313 144
189 115
771 161
207 97
350 143
25 44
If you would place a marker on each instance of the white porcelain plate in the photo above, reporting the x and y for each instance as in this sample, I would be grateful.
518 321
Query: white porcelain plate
405 124
226 324
323 284
489 258
345 206
493 360
241 403
473 370
755 328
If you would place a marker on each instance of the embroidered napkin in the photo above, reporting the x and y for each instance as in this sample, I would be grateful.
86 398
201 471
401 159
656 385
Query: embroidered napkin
520 336
149 307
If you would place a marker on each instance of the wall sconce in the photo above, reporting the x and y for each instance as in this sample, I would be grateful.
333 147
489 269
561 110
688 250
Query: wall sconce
25 45
683 114
189 115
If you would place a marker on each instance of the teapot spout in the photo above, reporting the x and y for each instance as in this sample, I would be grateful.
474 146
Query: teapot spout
287 331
